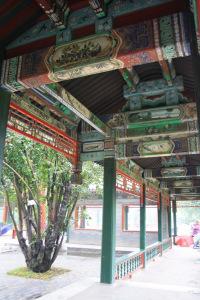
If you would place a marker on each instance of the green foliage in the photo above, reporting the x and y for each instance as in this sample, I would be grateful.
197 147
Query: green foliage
35 164
33 174
92 174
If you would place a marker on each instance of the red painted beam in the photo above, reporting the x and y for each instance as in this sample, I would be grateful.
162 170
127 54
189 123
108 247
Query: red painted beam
150 13
53 128
73 158
126 180
120 21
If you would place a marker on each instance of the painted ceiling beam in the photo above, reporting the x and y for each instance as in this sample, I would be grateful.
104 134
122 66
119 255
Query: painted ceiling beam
185 191
78 19
59 93
182 183
57 119
187 198
144 149
154 93
57 11
153 131
176 114
42 129
175 161
100 53
158 148
173 172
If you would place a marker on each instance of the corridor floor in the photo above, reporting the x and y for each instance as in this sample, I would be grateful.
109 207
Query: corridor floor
174 276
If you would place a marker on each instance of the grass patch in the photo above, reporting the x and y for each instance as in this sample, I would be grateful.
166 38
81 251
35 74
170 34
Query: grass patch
27 273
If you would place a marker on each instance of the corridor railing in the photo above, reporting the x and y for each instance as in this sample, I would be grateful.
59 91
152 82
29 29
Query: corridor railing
126 265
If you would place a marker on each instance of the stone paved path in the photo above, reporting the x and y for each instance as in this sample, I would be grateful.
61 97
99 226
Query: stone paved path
16 288
174 276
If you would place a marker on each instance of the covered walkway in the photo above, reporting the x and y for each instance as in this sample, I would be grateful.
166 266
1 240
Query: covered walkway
173 276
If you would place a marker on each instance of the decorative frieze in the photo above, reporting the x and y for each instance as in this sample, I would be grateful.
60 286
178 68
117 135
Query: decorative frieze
174 161
171 97
83 17
173 172
167 115
158 147
122 48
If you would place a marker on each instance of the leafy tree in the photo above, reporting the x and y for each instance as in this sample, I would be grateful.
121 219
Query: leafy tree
34 174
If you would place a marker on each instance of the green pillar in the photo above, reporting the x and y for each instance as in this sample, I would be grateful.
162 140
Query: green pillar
126 209
160 219
109 222
160 222
143 222
174 218
4 109
169 220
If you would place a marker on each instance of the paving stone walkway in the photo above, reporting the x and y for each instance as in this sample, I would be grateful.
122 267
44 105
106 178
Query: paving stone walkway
16 288
174 276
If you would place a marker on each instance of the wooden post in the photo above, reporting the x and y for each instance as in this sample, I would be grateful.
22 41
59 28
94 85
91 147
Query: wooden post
143 222
109 222
4 109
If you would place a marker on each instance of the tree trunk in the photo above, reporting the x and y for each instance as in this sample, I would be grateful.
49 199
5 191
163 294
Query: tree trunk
38 261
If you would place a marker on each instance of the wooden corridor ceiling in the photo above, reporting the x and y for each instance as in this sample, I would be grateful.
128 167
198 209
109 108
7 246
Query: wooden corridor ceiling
105 95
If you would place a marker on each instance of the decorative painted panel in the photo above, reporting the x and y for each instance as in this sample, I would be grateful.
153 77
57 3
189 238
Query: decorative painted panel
182 183
93 146
174 161
157 148
187 198
155 95
173 172
123 48
83 17
184 191
161 130
153 117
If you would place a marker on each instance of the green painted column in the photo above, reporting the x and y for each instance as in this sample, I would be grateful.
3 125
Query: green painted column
109 222
160 222
169 220
143 222
174 219
126 209
4 109
160 219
